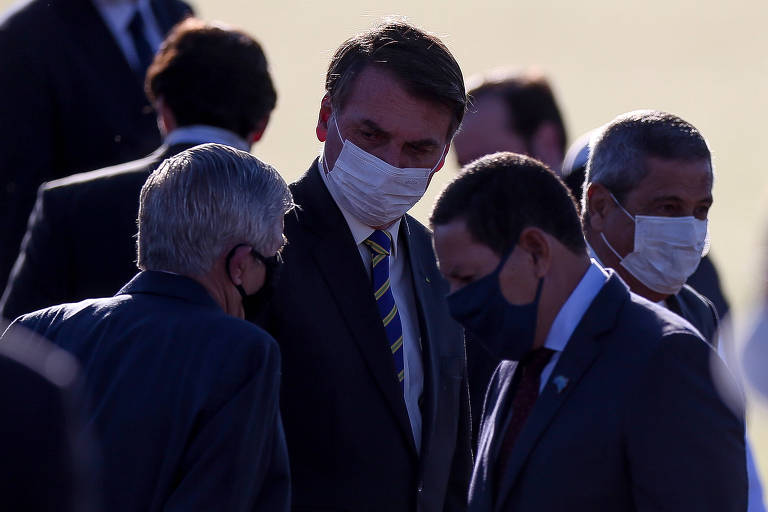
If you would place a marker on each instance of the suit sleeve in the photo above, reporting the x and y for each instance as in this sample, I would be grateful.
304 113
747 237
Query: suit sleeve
238 459
38 276
461 467
685 446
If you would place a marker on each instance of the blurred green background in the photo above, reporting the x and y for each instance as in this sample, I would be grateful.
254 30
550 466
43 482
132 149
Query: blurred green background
706 61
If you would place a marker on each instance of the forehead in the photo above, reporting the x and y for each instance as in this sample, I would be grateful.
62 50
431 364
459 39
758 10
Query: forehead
687 179
458 252
376 95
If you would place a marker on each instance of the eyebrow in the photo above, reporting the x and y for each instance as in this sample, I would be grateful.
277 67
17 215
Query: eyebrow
372 125
707 199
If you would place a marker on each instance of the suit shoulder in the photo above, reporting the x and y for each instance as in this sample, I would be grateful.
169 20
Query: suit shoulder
127 172
18 19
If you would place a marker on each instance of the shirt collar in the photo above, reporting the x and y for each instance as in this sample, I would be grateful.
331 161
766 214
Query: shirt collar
119 13
201 134
574 308
593 255
359 230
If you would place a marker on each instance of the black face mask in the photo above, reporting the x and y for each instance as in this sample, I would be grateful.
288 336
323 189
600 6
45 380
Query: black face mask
255 302
506 330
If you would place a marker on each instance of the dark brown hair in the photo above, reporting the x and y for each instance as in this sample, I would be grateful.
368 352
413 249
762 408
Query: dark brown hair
501 194
209 74
419 60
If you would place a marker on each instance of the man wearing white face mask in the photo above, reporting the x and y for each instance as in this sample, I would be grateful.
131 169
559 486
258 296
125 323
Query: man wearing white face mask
374 390
648 191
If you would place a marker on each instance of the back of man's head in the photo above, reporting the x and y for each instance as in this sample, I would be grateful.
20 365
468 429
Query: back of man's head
200 203
499 195
618 154
419 60
212 75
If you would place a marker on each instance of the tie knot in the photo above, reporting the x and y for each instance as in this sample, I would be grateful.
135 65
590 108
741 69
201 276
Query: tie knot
136 26
535 360
380 242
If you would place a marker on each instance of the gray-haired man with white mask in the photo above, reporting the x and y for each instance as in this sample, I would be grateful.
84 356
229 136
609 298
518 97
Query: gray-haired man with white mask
647 195
186 392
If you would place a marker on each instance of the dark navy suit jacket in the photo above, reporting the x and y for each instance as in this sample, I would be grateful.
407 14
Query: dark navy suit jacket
69 102
637 423
184 397
348 431
81 239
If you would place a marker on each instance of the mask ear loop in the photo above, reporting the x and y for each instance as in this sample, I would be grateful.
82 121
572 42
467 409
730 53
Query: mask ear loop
336 124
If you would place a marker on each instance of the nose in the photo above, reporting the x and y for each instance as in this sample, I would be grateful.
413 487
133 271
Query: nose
392 154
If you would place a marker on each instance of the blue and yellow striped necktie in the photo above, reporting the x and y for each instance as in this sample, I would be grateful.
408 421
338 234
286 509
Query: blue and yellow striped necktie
380 243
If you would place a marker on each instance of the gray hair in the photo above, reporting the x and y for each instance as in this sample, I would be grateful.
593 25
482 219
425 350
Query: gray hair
618 153
204 201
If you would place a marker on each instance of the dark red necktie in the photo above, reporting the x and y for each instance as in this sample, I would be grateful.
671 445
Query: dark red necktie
526 394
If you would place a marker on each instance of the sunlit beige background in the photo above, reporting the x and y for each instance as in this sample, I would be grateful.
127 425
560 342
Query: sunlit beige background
704 60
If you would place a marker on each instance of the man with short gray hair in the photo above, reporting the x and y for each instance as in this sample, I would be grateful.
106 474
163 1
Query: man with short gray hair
185 391
647 194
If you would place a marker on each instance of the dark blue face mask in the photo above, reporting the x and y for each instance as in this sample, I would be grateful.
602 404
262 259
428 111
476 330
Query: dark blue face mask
506 330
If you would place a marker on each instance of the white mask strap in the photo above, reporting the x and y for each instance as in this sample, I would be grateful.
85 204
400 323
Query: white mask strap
610 246
622 208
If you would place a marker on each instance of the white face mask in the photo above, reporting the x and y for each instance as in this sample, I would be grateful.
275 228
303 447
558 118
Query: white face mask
371 190
667 250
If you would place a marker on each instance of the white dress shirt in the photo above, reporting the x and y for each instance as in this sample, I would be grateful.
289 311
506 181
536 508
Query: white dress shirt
117 15
402 290
202 133
571 314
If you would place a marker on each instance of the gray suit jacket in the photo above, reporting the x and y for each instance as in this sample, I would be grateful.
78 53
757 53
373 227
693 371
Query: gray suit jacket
638 426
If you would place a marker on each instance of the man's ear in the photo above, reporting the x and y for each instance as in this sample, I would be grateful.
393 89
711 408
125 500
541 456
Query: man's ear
326 109
598 205
238 263
537 244
166 121
258 130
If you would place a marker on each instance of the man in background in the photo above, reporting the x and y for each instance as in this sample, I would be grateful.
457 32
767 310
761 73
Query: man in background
374 396
512 111
209 83
185 393
71 95
603 400
647 195
705 278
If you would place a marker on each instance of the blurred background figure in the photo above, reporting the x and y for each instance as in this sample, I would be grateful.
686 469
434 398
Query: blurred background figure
71 95
209 83
512 111
186 392
704 280
46 460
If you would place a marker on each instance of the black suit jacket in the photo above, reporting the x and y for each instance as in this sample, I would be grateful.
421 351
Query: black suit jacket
185 398
346 423
81 240
637 423
45 464
69 102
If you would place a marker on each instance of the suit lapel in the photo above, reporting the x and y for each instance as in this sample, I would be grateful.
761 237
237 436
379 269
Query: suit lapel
582 350
424 295
338 261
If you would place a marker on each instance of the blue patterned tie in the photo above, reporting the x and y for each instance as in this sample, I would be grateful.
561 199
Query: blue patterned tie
379 243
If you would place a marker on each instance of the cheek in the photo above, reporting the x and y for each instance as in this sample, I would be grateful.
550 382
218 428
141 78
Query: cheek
621 234
518 287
